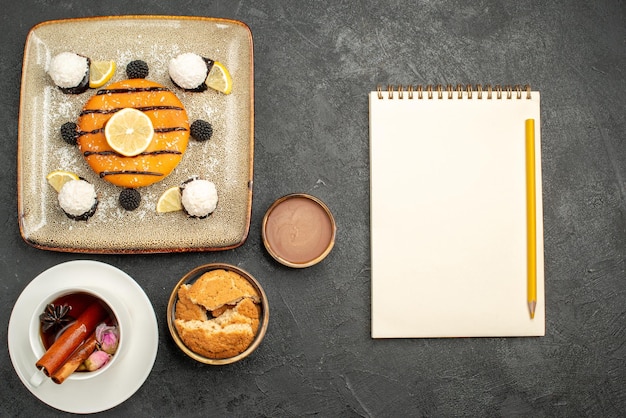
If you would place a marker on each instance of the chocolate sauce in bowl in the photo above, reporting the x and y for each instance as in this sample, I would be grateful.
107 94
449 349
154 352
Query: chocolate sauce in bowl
298 230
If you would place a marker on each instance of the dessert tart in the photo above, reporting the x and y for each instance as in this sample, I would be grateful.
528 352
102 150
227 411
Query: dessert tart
171 132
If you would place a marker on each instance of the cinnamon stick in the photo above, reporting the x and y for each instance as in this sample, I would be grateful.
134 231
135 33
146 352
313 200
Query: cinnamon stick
65 345
75 360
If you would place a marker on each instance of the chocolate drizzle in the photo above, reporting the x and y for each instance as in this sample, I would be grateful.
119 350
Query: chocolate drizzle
117 109
166 130
95 131
156 130
131 172
131 90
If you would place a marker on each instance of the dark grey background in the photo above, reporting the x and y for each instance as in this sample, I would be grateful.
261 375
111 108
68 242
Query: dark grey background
314 65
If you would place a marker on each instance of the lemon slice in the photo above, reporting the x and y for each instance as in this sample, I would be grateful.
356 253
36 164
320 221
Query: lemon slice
219 78
129 132
170 201
100 72
58 178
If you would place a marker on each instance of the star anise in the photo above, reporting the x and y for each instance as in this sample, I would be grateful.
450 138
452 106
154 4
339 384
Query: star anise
55 316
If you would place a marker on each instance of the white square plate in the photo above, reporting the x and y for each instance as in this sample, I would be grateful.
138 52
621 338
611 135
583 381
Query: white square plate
226 159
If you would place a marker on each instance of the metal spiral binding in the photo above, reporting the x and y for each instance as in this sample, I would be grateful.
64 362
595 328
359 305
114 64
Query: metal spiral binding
430 91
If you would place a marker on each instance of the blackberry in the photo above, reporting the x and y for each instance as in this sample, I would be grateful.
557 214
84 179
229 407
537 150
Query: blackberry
201 130
68 132
130 199
137 69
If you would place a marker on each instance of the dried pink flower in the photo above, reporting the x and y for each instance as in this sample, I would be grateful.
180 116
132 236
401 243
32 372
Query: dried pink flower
108 338
96 360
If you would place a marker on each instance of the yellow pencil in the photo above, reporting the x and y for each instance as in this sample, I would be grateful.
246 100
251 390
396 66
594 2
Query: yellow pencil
531 217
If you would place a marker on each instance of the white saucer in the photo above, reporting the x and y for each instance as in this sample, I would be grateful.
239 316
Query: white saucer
138 352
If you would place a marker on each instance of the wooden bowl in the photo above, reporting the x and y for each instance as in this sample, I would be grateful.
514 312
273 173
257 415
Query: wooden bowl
190 278
298 230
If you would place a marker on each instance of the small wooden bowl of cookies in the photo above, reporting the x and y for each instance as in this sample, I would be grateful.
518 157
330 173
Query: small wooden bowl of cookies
218 314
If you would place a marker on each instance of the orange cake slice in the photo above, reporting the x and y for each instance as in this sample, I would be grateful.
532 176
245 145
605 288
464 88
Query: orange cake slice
171 132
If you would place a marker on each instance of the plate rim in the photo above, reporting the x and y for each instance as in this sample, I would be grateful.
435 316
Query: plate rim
119 250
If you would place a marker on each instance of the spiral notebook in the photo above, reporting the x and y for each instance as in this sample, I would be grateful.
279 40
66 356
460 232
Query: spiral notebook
449 212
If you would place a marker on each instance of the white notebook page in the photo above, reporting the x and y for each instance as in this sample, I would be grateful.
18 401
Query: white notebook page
448 217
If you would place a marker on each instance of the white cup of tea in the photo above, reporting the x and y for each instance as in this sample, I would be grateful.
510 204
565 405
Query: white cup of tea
116 315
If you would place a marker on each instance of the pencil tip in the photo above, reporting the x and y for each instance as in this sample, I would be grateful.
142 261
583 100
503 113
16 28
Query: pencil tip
531 306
